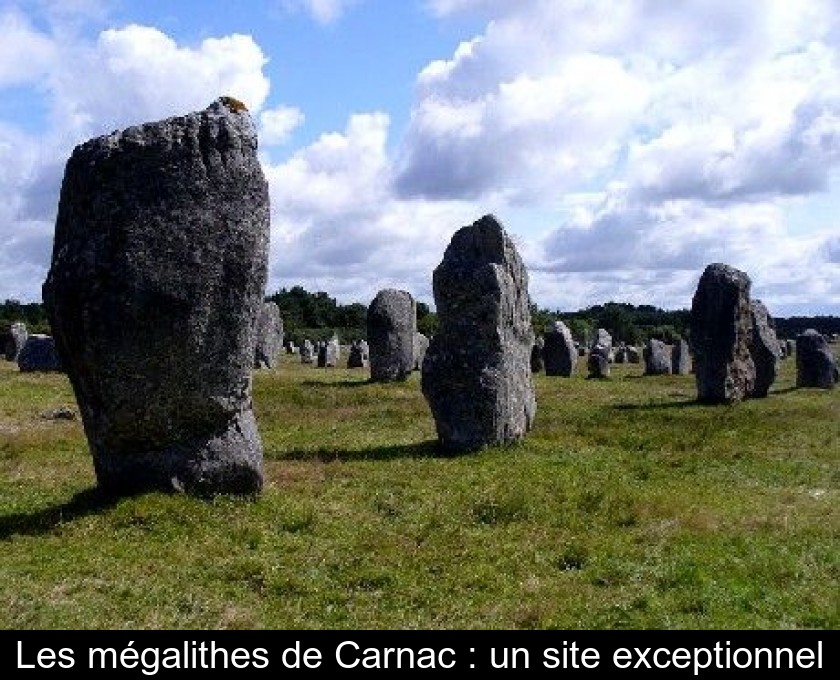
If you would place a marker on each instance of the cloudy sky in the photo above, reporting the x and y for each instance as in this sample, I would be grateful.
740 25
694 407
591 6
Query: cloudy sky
625 144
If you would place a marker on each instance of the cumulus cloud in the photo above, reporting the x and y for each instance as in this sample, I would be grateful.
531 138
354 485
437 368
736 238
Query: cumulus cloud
277 125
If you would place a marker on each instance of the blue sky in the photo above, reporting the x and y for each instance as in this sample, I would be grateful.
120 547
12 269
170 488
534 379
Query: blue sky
624 145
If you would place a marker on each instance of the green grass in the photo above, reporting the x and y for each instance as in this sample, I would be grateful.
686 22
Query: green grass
627 506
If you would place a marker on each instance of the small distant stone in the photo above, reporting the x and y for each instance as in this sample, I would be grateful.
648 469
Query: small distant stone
61 413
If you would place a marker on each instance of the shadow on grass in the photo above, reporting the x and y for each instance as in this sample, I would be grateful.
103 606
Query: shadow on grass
39 522
659 406
336 383
419 450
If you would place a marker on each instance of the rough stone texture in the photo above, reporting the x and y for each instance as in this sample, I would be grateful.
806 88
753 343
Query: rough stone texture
329 353
721 329
620 355
307 352
559 353
815 364
680 358
598 363
421 346
158 276
391 330
269 338
790 346
15 341
477 375
537 360
633 355
603 339
657 358
39 354
764 349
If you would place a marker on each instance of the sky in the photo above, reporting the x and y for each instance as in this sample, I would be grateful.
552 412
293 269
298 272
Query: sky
624 144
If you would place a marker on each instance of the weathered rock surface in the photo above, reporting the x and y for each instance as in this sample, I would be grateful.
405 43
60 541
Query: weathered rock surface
598 363
604 339
559 353
764 349
721 329
815 364
269 338
633 355
307 352
680 358
657 358
391 330
39 354
477 375
157 279
537 360
356 357
329 353
15 341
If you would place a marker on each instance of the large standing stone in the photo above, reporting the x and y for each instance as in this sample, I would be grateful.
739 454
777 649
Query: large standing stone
477 375
657 358
391 330
680 358
559 352
16 340
38 354
721 329
815 364
764 349
598 363
157 279
269 336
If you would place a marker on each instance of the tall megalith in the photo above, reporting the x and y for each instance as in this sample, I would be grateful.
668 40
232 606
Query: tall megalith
391 331
156 284
477 375
721 331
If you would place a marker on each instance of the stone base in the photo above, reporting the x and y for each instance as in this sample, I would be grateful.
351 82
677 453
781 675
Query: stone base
225 462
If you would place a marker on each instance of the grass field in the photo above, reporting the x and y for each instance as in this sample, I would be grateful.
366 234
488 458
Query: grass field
628 506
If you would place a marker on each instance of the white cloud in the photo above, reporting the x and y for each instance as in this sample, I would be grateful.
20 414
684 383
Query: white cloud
277 125
323 11
25 54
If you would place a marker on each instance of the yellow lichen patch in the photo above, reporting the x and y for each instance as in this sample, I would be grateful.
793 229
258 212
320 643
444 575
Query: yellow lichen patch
233 104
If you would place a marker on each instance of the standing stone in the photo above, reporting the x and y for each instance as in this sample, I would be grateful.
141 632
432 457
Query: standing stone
721 329
391 330
38 354
790 347
356 356
764 349
537 358
620 355
16 340
581 351
603 339
477 375
633 355
269 336
307 352
157 279
421 346
680 358
598 363
331 353
657 358
559 353
815 364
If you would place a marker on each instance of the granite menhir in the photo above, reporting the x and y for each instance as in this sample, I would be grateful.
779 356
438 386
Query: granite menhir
476 375
269 336
391 330
721 332
157 280
559 352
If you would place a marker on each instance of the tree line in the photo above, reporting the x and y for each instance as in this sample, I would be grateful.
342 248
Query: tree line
318 316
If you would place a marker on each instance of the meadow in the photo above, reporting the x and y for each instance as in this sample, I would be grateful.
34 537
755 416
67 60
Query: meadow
627 506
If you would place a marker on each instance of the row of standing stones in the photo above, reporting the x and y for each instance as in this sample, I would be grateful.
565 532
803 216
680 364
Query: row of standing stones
155 297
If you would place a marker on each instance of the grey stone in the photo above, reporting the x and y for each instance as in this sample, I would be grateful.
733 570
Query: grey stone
477 375
391 329
815 364
157 279
657 358
356 357
598 363
269 338
329 353
603 339
790 346
307 352
39 355
620 355
537 359
559 353
721 329
15 341
421 346
764 349
60 413
680 358
634 356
